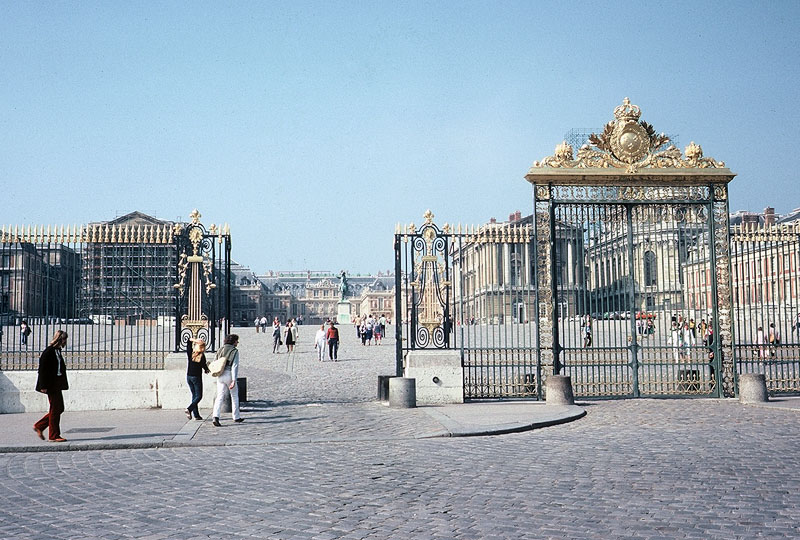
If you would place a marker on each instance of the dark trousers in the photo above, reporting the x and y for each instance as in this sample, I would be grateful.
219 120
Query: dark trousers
196 386
52 420
333 349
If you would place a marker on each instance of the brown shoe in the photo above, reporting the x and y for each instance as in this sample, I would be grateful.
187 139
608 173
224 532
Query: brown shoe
38 432
60 439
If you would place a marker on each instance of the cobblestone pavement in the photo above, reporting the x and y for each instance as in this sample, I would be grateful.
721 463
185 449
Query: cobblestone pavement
629 469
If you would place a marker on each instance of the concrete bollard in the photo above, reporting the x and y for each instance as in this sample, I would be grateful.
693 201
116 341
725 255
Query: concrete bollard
383 387
559 390
753 388
402 392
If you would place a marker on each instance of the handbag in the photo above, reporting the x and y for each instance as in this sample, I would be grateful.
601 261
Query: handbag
218 366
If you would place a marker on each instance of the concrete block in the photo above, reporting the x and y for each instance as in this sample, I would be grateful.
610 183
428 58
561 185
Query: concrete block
559 390
402 393
753 388
439 375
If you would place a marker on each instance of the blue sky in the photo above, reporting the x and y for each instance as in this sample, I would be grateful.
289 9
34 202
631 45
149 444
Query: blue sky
313 127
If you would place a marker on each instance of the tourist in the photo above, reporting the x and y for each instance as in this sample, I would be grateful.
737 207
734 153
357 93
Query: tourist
704 331
587 332
774 338
333 342
291 335
760 341
377 333
675 341
382 322
276 336
24 332
264 322
687 340
363 331
257 323
194 375
226 381
320 343
52 380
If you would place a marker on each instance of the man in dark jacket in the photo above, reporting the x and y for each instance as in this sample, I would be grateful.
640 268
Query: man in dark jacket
52 381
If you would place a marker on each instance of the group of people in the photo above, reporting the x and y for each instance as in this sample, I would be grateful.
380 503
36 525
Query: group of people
768 341
369 328
52 380
327 339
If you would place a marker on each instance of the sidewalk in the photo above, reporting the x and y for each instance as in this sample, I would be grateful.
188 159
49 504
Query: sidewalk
275 423
154 428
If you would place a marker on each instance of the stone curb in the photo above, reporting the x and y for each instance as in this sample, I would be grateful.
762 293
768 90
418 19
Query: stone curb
453 428
184 438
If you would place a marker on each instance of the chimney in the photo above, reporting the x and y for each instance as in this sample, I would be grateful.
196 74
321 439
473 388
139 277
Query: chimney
769 216
493 221
517 215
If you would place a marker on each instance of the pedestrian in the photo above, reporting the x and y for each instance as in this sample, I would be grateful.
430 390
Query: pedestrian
24 332
52 380
194 375
377 333
320 343
257 323
264 322
675 341
760 341
587 332
226 381
276 336
291 335
382 322
774 339
333 342
687 340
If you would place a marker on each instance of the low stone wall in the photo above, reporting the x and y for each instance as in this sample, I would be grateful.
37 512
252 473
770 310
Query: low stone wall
98 390
439 376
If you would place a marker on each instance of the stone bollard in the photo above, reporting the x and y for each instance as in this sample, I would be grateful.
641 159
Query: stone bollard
559 390
752 388
402 392
383 387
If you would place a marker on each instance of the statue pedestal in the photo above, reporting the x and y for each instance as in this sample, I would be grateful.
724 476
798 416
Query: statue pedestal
343 312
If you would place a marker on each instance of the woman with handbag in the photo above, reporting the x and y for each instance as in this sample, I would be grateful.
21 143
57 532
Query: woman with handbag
194 375
226 369
52 381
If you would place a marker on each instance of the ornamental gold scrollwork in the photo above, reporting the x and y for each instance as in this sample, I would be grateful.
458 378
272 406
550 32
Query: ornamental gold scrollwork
631 144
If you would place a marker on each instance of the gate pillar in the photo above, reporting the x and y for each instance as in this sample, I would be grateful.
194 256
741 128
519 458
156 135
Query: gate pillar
601 219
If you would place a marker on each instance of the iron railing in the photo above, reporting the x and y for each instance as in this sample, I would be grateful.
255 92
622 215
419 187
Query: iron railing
109 286
766 281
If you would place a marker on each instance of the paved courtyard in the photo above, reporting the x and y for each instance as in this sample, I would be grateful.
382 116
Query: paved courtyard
629 469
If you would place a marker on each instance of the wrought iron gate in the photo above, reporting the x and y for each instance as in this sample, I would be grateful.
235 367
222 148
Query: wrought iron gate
203 283
633 265
471 290
631 317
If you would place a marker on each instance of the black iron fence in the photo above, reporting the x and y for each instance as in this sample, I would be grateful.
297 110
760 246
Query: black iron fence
765 287
471 290
109 286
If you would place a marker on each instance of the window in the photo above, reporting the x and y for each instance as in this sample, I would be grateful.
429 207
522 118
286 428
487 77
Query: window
650 270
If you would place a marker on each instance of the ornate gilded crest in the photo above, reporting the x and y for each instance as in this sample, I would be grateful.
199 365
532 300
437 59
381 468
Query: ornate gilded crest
628 143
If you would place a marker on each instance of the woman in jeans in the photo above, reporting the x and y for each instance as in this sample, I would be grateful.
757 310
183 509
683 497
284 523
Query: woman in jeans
194 375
